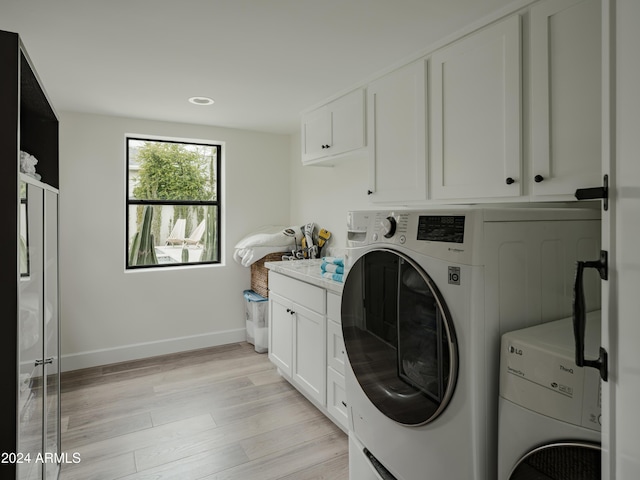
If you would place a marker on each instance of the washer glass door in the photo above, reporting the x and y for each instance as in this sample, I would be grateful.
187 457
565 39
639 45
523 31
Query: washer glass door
399 337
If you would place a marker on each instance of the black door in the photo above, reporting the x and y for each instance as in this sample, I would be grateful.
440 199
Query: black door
399 337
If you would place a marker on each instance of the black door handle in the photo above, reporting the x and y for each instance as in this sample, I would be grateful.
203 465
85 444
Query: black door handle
580 316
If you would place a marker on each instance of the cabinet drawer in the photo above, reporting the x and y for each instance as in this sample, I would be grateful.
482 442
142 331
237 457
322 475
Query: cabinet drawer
337 398
333 307
335 347
302 293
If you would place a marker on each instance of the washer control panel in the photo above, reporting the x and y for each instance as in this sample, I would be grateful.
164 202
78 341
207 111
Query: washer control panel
446 234
390 226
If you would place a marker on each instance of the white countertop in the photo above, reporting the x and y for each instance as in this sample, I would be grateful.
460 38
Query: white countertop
307 271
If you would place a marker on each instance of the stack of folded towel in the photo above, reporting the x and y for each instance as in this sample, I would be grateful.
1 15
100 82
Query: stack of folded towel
333 268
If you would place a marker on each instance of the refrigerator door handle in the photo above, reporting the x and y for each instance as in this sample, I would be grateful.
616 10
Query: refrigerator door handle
580 316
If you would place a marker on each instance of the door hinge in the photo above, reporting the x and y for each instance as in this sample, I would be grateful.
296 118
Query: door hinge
601 265
595 193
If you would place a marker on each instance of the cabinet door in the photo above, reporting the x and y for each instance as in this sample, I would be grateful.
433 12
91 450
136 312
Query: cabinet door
51 334
281 333
334 129
396 125
476 115
309 365
31 327
347 123
566 96
316 134
337 398
335 347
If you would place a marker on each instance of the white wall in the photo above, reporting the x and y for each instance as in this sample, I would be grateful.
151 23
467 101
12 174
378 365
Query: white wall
324 195
109 315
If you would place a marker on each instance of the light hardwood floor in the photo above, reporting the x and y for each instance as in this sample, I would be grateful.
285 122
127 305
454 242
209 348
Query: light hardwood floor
214 414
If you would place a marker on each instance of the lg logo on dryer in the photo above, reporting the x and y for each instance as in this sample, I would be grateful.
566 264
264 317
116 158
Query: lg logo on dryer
515 350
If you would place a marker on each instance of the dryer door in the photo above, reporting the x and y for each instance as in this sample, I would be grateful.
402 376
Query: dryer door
399 337
560 461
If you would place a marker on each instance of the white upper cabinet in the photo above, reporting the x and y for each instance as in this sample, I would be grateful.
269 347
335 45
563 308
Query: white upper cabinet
396 125
316 134
476 116
334 129
508 112
565 96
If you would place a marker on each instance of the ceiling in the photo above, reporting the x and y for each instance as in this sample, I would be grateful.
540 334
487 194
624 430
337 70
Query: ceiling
262 61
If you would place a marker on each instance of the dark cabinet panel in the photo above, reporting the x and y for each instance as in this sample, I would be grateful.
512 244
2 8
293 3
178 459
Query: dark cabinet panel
29 345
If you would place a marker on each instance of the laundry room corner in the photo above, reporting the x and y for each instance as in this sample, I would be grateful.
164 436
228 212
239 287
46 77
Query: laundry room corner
117 314
324 195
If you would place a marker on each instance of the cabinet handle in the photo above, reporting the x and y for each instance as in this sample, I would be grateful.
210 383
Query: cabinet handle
326 146
46 361
510 181
538 178
344 403
369 192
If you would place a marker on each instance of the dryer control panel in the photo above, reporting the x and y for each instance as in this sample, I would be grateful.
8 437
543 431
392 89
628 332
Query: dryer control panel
538 372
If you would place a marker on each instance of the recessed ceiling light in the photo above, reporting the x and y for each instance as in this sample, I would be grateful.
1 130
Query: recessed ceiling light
201 100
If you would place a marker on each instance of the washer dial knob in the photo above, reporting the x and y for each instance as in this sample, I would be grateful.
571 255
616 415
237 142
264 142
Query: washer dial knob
388 227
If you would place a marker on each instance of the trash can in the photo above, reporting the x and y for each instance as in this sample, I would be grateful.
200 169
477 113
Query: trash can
257 320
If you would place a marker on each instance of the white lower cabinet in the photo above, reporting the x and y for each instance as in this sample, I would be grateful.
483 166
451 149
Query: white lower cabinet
305 342
335 346
309 352
337 398
280 332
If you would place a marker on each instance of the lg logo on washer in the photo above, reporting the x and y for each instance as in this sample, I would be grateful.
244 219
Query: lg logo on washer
454 275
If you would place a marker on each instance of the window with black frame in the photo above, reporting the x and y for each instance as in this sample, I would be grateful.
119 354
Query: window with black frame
173 203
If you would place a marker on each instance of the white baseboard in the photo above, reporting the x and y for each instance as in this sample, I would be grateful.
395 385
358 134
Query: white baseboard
95 358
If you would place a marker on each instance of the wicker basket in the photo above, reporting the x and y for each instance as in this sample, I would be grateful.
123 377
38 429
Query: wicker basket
260 273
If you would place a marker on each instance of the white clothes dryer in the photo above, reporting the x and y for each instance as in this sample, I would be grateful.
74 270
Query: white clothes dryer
549 418
426 297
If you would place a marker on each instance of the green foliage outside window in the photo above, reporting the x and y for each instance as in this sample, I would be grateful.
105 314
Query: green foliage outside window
171 172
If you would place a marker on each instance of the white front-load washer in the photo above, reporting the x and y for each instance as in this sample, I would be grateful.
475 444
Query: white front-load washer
426 297
549 409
